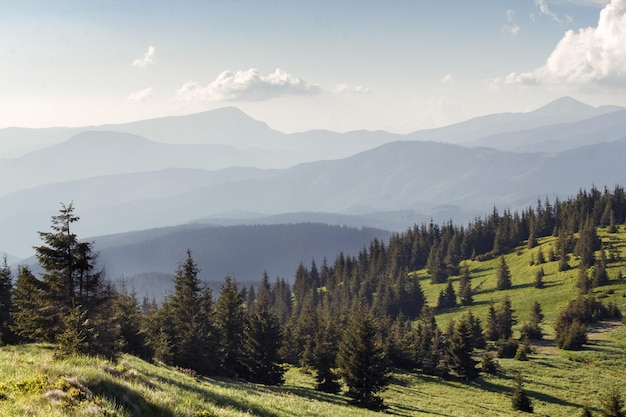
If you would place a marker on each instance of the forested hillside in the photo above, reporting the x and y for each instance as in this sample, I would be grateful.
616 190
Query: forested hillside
492 308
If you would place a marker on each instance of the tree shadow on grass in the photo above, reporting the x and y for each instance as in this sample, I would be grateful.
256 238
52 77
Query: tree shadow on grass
216 399
507 389
129 399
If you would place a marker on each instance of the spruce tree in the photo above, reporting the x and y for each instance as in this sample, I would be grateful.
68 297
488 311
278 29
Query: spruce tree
503 275
362 362
325 357
230 320
491 331
520 400
465 288
261 346
70 276
191 325
447 297
126 315
600 276
30 324
6 294
461 347
505 319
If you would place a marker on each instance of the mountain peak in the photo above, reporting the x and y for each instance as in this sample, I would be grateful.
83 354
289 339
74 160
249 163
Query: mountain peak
564 105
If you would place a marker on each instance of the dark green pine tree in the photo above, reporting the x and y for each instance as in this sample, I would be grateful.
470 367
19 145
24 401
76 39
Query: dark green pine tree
532 330
362 361
188 320
447 297
70 277
587 243
461 346
465 288
435 263
6 295
503 275
505 319
126 315
325 357
230 320
520 400
600 276
491 331
262 341
29 322
429 344
583 283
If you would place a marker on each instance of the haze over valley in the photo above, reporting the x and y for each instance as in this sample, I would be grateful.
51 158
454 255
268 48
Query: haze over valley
224 168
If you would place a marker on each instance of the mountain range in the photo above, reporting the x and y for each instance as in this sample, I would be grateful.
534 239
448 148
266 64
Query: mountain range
223 167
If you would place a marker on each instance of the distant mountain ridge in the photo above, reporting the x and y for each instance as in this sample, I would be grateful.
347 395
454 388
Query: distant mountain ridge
417 176
123 181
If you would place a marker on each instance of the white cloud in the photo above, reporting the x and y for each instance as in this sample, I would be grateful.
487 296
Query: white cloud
545 10
147 58
247 86
355 89
511 27
141 96
447 79
590 55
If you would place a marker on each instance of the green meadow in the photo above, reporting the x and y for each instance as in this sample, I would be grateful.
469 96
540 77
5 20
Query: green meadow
34 381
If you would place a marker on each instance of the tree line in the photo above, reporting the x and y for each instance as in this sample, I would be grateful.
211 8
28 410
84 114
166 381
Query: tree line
352 320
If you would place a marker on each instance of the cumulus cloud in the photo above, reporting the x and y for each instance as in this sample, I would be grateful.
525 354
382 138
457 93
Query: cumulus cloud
589 55
355 89
147 58
247 86
141 96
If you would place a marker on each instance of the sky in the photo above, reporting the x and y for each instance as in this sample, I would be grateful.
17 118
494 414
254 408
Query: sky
344 65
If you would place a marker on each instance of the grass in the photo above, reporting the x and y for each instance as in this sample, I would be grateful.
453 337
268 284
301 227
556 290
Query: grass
34 382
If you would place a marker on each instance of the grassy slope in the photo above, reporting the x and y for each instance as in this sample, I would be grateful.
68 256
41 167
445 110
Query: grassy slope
32 382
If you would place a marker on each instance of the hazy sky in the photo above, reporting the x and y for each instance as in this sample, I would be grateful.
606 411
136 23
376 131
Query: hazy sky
299 65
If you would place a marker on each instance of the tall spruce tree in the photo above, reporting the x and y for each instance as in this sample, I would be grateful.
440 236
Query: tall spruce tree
362 361
70 277
465 288
461 347
191 325
504 275
230 321
520 400
325 357
6 294
29 322
261 344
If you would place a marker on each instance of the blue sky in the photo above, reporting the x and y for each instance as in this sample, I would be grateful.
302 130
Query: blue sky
300 65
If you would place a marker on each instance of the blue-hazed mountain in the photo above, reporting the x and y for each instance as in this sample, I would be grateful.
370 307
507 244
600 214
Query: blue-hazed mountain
101 153
147 260
230 126
422 177
562 111
606 127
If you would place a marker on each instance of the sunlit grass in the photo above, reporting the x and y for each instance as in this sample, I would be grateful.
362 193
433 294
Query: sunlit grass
33 382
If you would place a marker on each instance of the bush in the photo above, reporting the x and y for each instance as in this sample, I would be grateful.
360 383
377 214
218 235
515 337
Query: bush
507 348
572 336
